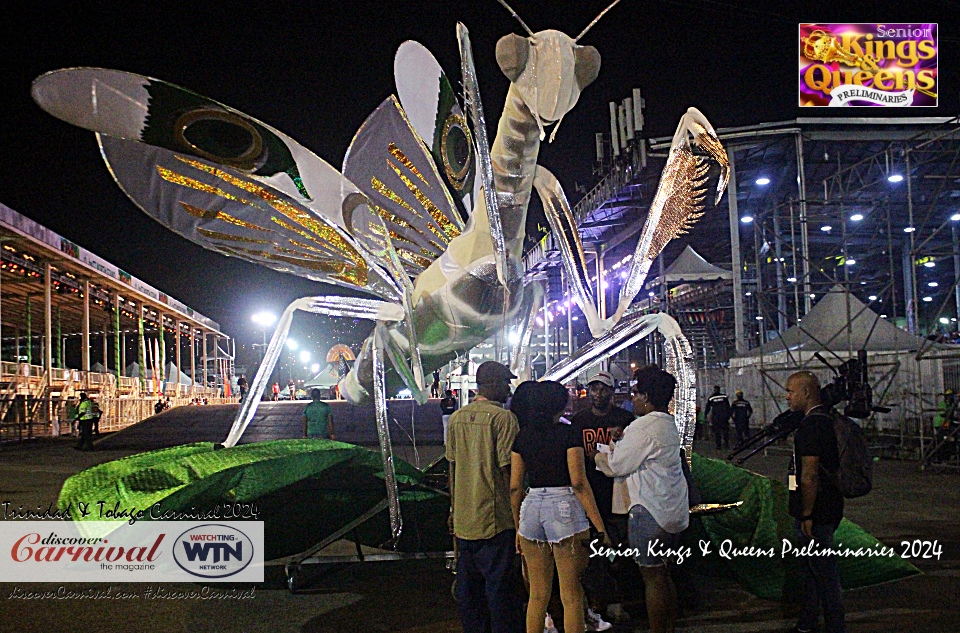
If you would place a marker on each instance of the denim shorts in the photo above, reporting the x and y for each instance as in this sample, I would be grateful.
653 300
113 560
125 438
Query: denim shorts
551 515
644 531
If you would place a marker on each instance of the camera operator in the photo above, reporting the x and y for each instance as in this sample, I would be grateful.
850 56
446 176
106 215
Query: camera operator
815 502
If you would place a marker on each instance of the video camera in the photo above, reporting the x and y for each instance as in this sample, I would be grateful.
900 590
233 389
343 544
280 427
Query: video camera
850 385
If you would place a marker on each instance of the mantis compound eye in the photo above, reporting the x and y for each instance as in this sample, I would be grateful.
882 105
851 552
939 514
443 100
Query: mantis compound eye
220 136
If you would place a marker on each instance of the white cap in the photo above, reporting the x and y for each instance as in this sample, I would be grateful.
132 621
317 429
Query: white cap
603 377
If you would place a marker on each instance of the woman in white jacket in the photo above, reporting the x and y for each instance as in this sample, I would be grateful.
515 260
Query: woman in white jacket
648 458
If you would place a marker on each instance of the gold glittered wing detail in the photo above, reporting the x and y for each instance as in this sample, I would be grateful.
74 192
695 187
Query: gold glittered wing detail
238 215
389 163
680 196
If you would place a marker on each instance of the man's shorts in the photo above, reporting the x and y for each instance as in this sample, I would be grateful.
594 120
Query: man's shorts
550 515
644 531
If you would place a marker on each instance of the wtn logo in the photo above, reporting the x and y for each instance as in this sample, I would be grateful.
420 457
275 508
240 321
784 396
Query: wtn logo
220 550
213 551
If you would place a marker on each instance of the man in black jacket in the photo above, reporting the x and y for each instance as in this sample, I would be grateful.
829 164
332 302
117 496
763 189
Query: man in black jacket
816 503
741 417
718 413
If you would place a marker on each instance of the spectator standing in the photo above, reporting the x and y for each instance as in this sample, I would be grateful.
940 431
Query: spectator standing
741 412
648 456
435 387
292 389
276 391
552 515
816 503
478 448
318 418
448 404
602 423
718 413
242 386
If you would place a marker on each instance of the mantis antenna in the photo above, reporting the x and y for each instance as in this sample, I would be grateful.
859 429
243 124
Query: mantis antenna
595 20
524 24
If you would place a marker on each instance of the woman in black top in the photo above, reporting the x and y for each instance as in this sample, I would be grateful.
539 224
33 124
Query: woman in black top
551 516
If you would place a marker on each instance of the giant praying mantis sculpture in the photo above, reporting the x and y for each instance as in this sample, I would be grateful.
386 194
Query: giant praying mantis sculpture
426 217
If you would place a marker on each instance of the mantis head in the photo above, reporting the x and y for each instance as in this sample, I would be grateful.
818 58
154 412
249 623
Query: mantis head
549 69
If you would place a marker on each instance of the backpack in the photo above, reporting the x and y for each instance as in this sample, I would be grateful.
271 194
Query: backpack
855 476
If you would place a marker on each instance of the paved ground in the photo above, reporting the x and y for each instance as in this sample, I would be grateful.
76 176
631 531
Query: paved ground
414 596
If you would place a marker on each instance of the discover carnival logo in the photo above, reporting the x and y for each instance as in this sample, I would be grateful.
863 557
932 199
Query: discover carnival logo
213 551
117 551
864 65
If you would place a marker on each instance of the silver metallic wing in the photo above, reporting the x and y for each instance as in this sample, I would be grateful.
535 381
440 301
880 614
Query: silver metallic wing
390 164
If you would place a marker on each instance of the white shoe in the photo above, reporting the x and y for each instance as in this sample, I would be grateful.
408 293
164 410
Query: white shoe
548 626
595 622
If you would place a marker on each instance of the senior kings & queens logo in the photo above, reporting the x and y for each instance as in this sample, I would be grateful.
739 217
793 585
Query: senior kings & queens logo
864 65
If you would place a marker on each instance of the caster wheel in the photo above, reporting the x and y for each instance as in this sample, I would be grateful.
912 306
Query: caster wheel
293 578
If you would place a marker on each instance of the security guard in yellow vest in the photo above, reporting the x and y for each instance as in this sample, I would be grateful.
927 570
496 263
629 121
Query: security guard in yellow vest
87 415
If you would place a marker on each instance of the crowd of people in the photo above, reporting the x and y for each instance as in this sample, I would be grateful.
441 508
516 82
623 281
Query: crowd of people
531 490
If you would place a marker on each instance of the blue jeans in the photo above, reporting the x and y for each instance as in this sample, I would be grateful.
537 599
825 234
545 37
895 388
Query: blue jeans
644 531
820 583
550 515
489 585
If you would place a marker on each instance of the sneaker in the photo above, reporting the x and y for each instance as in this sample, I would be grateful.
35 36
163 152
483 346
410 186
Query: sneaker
616 613
548 626
595 622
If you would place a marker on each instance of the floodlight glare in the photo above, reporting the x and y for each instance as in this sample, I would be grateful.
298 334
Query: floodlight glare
292 344
944 320
759 318
748 294
315 367
747 219
763 181
933 284
264 319
928 299
895 178
955 217
856 217
514 337
909 229
872 297
929 264
792 280
826 228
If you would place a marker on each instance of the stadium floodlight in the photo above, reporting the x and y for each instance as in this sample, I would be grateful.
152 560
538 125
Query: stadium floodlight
763 181
856 217
747 219
895 178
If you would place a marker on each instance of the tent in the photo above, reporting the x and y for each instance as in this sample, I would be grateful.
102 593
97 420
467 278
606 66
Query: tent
826 325
170 371
325 379
690 266
98 368
899 381
133 371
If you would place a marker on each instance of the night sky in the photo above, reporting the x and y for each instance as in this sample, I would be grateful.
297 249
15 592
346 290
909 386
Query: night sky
315 70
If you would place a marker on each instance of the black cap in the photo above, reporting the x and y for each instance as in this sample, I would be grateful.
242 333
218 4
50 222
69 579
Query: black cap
492 372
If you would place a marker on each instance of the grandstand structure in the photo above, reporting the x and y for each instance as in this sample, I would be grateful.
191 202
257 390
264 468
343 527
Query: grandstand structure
71 322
